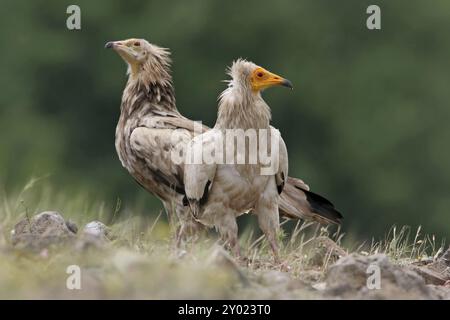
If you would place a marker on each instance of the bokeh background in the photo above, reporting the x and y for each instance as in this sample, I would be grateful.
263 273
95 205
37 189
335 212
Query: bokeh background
366 126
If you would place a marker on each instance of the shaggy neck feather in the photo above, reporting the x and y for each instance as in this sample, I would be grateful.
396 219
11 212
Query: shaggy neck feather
242 108
150 87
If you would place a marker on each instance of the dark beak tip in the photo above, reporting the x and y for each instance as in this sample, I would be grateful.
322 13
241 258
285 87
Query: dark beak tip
109 45
288 84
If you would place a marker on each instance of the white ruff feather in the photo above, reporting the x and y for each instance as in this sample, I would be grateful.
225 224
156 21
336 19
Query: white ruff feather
240 106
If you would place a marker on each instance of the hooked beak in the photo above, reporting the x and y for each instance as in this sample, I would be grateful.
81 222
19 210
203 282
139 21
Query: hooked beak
109 45
116 45
287 83
274 80
123 50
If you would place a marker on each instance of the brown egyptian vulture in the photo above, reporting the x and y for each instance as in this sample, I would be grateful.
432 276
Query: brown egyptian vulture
145 140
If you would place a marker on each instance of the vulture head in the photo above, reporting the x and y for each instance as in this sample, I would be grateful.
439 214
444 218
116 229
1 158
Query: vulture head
146 62
246 74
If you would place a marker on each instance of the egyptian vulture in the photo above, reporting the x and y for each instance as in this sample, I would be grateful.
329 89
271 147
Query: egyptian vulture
144 141
220 190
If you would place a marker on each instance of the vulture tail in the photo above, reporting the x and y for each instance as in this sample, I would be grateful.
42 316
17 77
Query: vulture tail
297 202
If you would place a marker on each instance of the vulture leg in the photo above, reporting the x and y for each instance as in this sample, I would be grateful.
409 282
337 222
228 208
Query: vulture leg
186 228
228 230
268 216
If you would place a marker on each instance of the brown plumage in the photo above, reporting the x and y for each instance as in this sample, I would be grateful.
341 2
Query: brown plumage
144 140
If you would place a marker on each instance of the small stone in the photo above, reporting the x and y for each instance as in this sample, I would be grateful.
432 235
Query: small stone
95 234
96 229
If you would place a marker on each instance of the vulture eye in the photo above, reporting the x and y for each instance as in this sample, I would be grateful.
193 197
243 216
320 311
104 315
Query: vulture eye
137 44
259 74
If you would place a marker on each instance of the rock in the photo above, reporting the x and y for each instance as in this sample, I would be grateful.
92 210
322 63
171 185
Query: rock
430 274
41 231
436 272
348 278
324 251
97 229
94 234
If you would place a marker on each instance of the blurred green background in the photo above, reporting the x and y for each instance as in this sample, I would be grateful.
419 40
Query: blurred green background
366 126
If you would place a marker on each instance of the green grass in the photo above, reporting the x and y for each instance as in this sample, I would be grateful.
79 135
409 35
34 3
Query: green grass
142 262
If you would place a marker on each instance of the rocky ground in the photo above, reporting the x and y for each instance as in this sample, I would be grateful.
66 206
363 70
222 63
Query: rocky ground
36 252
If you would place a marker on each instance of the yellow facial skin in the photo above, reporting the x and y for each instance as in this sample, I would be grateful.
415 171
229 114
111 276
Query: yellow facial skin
262 79
130 50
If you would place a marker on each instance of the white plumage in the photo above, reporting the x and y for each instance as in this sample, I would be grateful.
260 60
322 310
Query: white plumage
218 193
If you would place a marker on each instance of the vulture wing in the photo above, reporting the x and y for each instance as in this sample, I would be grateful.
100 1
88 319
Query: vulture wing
281 175
154 146
157 141
199 173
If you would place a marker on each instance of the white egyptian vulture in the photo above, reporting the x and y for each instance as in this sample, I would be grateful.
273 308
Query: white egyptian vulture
220 190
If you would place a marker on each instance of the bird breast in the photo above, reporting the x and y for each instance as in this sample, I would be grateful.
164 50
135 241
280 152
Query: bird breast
238 187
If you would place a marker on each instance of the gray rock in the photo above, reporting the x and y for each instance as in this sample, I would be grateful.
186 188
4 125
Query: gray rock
41 231
347 279
97 229
95 234
430 274
323 251
436 272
